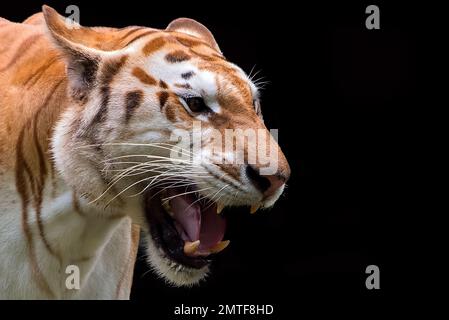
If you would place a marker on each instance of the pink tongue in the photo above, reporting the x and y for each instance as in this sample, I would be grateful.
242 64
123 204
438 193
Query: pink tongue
188 216
212 229
206 226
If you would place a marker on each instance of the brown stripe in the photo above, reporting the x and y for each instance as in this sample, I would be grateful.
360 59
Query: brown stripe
27 169
23 48
190 42
154 45
52 173
139 37
187 75
177 56
40 183
144 77
162 84
183 85
39 72
163 96
108 72
212 57
100 116
40 154
130 32
22 189
133 100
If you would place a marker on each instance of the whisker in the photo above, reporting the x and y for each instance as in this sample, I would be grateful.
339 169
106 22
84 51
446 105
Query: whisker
153 180
120 176
183 183
149 157
211 200
160 145
185 193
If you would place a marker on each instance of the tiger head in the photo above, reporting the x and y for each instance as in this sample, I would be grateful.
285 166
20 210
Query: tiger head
161 127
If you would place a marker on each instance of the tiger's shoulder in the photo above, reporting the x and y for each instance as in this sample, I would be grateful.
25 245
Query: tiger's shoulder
29 67
33 75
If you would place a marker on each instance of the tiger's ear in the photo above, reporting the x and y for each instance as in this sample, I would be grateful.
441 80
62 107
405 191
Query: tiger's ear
82 61
194 28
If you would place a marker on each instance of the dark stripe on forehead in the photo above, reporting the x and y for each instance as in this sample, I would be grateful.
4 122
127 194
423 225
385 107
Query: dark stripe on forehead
154 45
212 57
190 42
110 69
146 33
144 77
133 99
107 74
130 32
177 56
232 78
187 75
100 116
163 97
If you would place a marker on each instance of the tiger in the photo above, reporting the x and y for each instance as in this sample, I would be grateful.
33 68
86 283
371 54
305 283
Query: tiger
87 173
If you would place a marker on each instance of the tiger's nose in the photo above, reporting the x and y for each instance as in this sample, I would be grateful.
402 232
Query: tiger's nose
267 184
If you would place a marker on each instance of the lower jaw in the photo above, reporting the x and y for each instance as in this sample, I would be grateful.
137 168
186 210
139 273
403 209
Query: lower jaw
170 271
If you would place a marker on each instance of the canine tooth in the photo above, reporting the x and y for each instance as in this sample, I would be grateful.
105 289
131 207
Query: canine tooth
219 246
191 247
254 208
220 207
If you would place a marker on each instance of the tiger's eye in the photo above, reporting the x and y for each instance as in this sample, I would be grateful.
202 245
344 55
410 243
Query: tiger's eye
196 104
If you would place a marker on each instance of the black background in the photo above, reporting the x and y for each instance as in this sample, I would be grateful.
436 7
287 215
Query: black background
338 93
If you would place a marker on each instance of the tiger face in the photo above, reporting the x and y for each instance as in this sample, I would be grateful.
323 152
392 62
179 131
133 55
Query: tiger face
130 141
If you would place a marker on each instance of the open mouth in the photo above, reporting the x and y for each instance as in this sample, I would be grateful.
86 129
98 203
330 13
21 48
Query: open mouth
186 228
